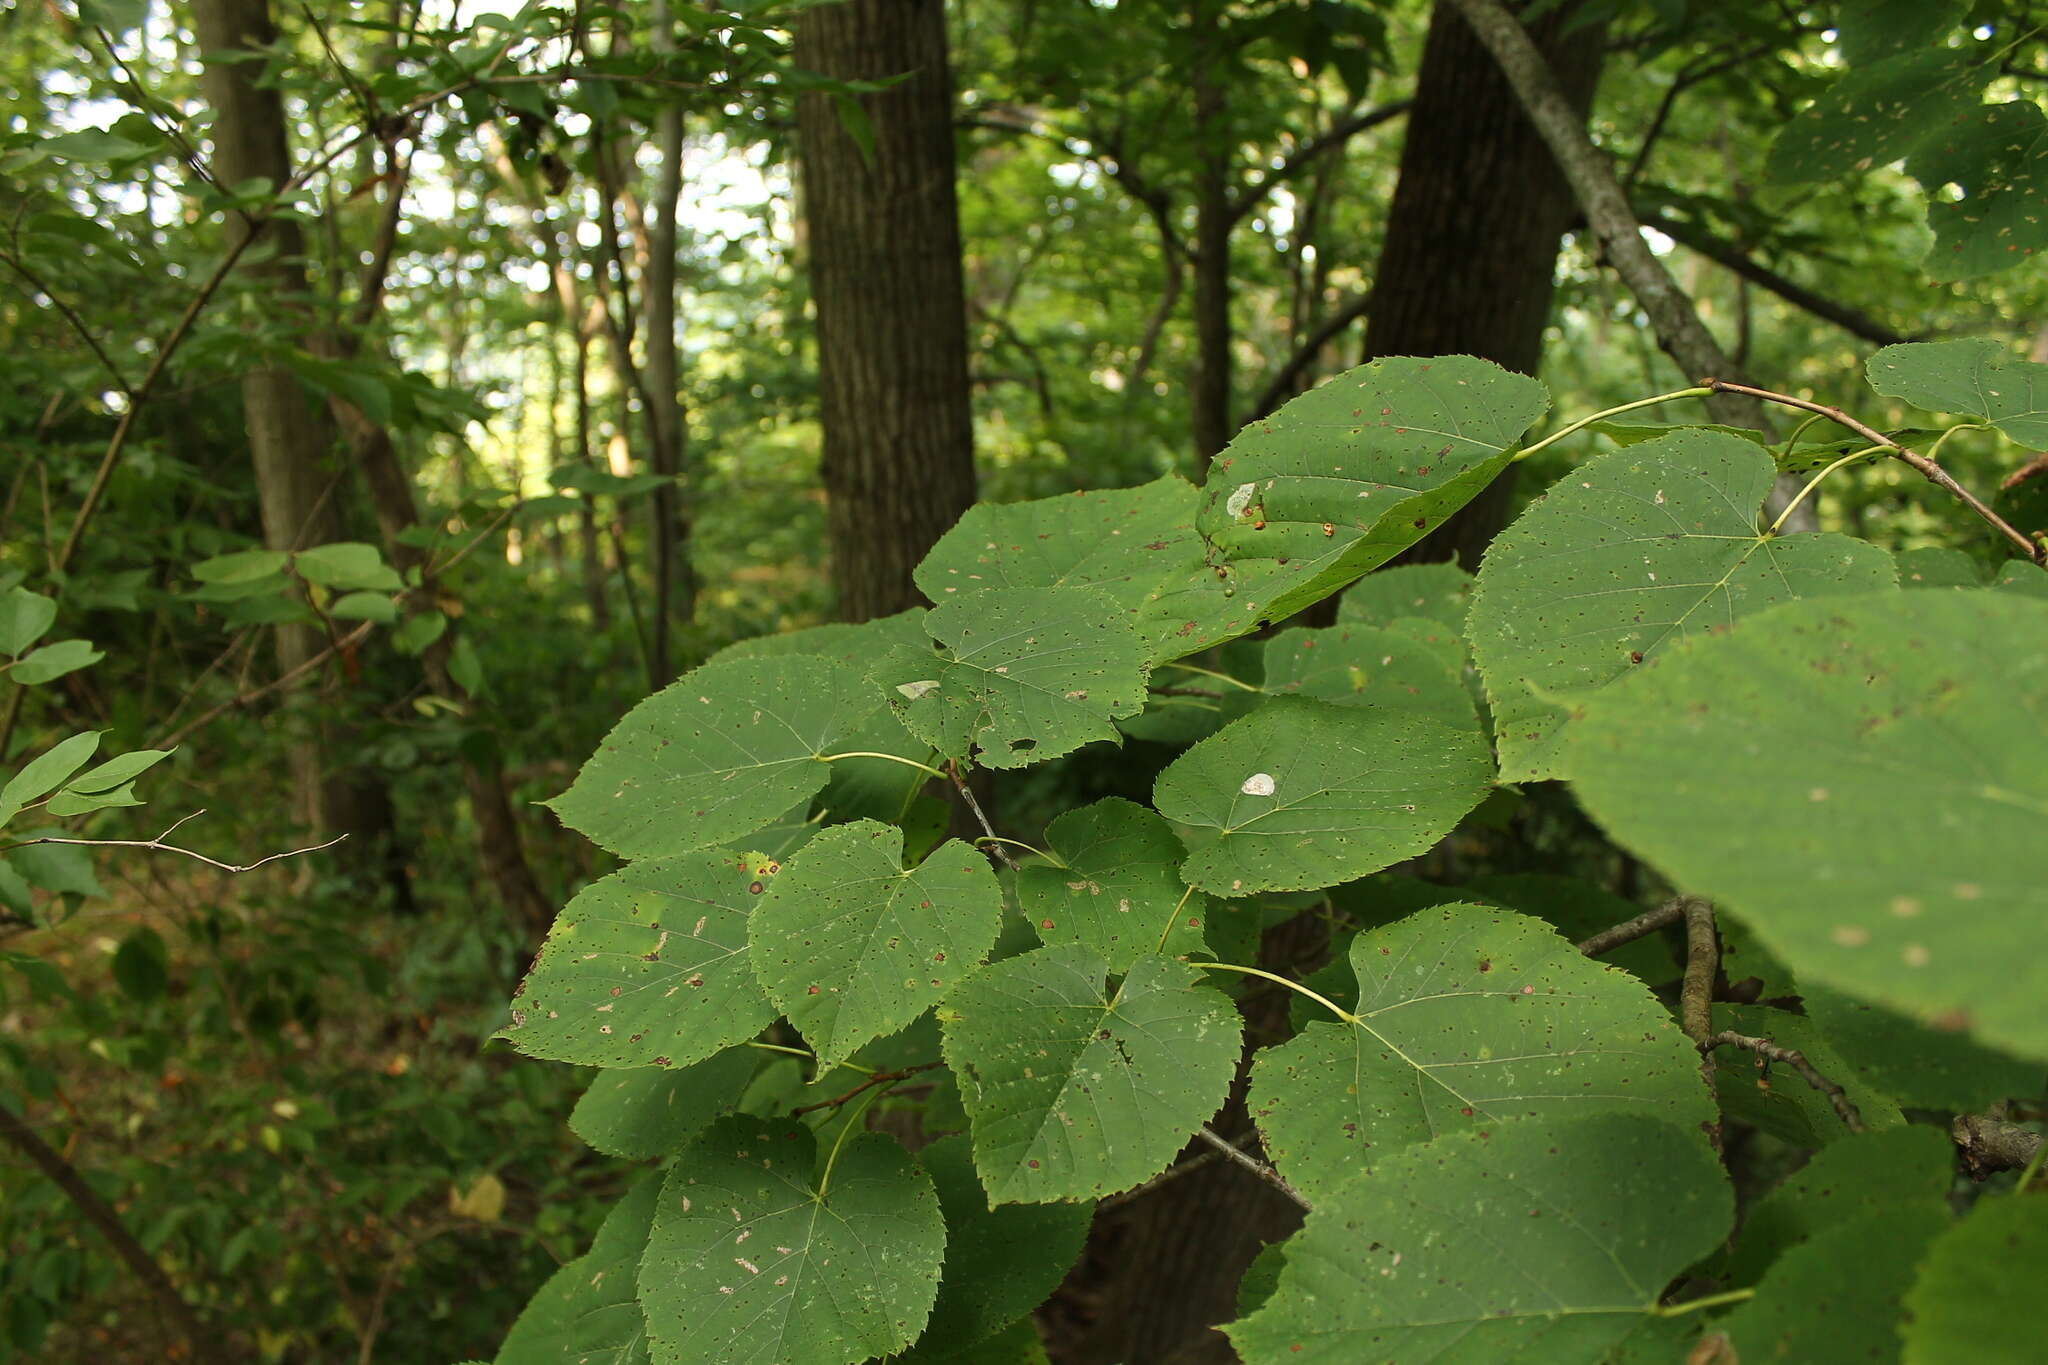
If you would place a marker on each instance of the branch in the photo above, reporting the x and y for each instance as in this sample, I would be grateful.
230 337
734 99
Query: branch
1990 1145
1231 1152
157 845
1281 386
70 315
1702 961
1768 1051
1933 472
281 681
202 1343
879 1078
967 795
1359 121
1643 925
1697 239
1671 312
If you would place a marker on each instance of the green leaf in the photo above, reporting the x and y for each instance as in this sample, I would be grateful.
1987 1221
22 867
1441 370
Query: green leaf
364 606
1017 1344
1997 157
1978 1296
1001 1262
46 772
587 1313
1021 676
1075 1090
1879 113
1351 473
1978 377
2020 576
1938 566
1123 542
1846 1183
24 616
852 945
243 566
1467 1017
715 755
872 787
1435 592
65 870
1301 794
91 144
646 967
750 1261
117 771
652 1111
1775 1099
54 661
141 966
1530 1242
1836 1299
1120 895
1923 1068
68 803
1877 29
347 566
1577 909
1631 552
1863 781
1363 666
420 630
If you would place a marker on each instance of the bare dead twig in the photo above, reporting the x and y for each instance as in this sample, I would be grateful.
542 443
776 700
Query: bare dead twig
1931 471
1991 1144
280 682
157 845
1702 962
1628 931
1768 1051
1231 1152
1171 1173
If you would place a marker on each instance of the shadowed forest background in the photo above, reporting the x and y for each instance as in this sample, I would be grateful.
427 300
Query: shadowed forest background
595 338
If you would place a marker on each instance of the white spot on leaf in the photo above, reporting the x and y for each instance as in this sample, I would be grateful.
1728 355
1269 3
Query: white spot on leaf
1258 784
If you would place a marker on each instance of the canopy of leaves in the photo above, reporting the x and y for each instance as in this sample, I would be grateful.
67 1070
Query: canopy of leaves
753 1257
1637 549
1078 1089
1862 780
1497 1244
1467 1017
1303 794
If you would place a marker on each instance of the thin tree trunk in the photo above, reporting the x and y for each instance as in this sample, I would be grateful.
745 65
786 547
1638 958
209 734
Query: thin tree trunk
1213 221
884 237
1471 246
674 594
290 443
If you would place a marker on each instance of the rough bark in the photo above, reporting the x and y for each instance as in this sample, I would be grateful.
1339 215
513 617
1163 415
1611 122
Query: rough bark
1470 254
290 442
884 238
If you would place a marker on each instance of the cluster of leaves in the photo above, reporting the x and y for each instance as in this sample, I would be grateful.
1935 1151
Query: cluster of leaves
1504 1143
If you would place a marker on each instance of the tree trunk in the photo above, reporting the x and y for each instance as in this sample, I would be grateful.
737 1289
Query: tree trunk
884 235
674 588
1213 222
298 482
1472 238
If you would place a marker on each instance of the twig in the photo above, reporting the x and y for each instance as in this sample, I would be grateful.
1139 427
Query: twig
879 1078
1768 1051
1231 1152
1185 692
70 315
1990 1145
1933 472
1193 1163
203 1344
1642 926
1854 321
967 795
281 681
1702 961
157 845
